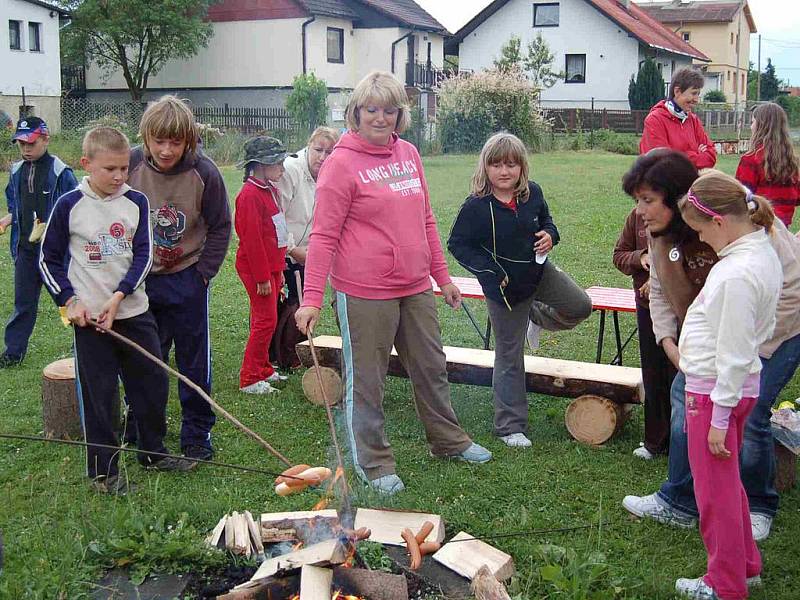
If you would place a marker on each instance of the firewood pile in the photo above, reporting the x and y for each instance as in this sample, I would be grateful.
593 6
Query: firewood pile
308 555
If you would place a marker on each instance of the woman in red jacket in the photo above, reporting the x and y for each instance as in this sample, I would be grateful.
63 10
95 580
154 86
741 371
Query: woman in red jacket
672 124
260 259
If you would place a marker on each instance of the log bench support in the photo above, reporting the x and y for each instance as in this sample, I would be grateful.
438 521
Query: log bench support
602 391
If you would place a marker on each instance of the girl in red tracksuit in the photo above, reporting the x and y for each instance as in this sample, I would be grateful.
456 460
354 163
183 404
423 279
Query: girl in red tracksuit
260 259
770 168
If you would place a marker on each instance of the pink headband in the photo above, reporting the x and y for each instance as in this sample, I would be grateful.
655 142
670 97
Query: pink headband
693 200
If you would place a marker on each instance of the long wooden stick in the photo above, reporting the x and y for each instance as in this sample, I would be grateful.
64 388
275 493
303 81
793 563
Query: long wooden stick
346 508
241 426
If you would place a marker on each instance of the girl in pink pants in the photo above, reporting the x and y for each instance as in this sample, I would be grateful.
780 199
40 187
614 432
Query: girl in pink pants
731 317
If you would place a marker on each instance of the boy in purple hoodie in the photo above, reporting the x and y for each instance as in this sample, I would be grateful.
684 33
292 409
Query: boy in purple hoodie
191 223
375 234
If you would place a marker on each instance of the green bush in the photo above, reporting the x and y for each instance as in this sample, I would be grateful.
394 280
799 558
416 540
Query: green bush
472 107
308 101
647 88
619 143
791 104
714 96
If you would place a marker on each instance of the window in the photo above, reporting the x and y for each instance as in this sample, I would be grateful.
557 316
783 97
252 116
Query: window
34 37
335 45
685 35
545 15
15 35
576 68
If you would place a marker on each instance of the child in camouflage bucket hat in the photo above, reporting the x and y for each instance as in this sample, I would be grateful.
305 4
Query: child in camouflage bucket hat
260 258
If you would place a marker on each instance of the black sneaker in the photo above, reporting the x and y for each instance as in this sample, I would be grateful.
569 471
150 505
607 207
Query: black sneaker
171 463
200 452
9 360
114 485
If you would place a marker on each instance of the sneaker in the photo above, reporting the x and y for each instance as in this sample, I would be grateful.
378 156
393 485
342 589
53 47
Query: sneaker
196 451
642 452
388 485
259 387
695 588
753 582
114 485
652 508
9 360
474 454
171 463
276 378
532 335
761 525
516 440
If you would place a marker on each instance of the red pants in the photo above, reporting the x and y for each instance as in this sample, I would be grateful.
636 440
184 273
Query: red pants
263 320
721 499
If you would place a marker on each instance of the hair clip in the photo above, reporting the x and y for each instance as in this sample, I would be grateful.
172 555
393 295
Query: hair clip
752 205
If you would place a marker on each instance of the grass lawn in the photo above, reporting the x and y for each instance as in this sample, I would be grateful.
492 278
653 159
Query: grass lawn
52 522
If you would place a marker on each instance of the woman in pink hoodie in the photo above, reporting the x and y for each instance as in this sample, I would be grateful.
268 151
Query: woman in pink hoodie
374 233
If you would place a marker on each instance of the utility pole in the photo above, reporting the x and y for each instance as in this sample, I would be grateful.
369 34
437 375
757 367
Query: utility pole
737 81
758 79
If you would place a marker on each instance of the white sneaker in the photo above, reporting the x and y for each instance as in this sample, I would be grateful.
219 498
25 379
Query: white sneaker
644 453
532 335
651 508
276 378
761 525
259 387
695 588
516 440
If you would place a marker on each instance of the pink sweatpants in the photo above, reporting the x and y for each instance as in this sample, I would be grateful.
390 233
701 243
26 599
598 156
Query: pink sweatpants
721 499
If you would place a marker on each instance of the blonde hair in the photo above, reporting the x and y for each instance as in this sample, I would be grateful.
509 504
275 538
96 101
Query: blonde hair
772 134
724 195
324 133
104 140
499 148
382 88
169 117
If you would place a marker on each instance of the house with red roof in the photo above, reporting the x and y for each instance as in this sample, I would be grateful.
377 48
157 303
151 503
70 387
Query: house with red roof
721 29
597 44
259 46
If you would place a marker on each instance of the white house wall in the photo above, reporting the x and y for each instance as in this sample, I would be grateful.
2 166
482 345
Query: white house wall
668 63
240 54
39 72
611 54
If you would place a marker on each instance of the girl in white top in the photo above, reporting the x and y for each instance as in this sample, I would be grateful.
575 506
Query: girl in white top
731 317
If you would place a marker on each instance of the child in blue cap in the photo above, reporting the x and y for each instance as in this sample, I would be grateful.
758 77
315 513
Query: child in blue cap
36 182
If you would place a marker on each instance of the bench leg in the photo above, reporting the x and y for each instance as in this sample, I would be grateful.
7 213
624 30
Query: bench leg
488 338
618 338
484 337
600 336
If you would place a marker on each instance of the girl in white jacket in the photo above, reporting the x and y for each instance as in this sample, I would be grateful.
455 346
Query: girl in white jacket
730 318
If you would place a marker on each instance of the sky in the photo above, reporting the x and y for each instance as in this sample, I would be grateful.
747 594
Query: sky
778 22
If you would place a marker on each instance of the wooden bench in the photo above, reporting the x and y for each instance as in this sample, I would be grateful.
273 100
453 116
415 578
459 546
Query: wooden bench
604 299
601 390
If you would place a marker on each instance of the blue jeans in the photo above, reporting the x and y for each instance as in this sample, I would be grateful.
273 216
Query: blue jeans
27 287
757 460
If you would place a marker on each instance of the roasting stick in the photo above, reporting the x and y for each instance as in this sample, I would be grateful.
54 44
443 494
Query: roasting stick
195 387
346 509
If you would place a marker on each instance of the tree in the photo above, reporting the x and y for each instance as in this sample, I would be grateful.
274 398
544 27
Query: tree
714 96
510 55
136 36
308 102
770 84
647 88
536 63
752 82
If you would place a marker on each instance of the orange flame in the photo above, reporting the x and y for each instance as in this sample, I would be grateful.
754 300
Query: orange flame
322 504
297 546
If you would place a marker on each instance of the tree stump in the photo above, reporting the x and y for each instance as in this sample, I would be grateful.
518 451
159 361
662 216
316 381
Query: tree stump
332 384
594 420
786 468
60 412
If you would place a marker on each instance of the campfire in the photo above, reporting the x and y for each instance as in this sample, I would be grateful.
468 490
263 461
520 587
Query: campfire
309 555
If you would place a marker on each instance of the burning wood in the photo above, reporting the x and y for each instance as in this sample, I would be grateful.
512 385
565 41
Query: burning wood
324 553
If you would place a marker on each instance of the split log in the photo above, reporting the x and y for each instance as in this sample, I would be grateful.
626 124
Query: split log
387 525
329 552
229 532
241 534
331 382
216 535
310 526
375 585
315 583
786 468
486 587
467 557
555 377
60 412
594 420
273 535
254 531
